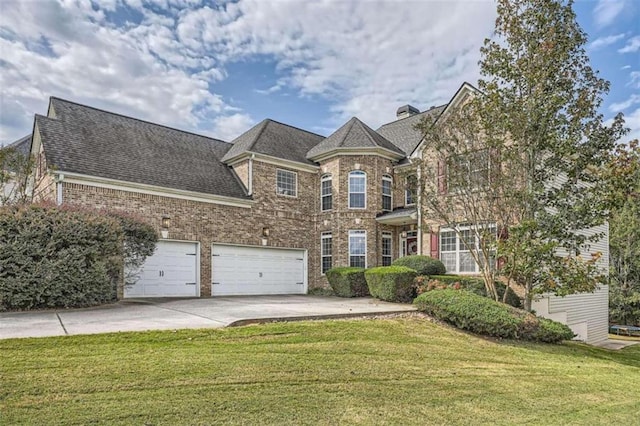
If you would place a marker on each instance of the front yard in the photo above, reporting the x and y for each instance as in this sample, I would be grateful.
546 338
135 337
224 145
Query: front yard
394 371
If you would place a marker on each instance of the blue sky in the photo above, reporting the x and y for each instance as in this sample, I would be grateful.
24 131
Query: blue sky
217 68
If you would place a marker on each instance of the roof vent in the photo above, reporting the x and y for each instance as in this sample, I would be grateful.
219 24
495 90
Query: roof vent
407 111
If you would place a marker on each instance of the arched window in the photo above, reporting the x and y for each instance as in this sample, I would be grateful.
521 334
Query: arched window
326 193
387 190
357 189
411 190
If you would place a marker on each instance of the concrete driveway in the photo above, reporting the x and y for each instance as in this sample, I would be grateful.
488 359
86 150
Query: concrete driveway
171 314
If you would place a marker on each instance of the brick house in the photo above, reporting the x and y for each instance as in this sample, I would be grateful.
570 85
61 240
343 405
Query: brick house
268 213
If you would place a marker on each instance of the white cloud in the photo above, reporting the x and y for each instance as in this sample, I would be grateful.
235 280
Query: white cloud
605 41
621 106
633 45
634 79
364 58
606 11
625 67
229 127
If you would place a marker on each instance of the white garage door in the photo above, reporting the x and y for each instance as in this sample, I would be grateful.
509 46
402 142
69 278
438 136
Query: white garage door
170 272
238 270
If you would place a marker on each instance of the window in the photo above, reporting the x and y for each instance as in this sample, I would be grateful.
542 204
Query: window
386 248
357 190
358 249
455 254
286 183
387 185
470 168
326 193
326 242
411 190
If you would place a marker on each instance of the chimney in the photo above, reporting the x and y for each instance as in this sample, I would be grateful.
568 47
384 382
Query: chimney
406 111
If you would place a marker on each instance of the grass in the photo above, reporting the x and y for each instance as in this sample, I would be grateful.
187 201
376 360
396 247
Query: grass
382 371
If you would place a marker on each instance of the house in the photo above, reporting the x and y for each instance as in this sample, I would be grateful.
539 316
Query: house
268 213
19 151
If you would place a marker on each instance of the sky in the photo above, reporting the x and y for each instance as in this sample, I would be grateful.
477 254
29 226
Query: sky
217 68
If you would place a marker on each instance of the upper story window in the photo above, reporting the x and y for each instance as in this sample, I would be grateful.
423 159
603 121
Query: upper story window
357 189
411 190
286 183
326 193
470 170
387 188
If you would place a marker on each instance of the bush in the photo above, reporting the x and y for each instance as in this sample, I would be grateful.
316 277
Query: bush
65 257
348 282
52 258
423 265
391 283
482 315
472 284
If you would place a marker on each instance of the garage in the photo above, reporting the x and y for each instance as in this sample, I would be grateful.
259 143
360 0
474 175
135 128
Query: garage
172 271
250 270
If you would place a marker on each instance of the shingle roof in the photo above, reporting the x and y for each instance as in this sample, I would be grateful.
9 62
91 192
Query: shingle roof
22 145
94 142
403 134
275 139
353 134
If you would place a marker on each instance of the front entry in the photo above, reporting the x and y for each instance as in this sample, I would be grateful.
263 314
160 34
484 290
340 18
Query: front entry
409 244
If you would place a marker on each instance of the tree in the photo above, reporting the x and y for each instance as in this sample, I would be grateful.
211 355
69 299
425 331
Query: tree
624 173
15 169
536 119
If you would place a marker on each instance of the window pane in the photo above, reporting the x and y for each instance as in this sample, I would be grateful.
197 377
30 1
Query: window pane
357 261
326 264
449 260
327 202
356 200
448 241
467 264
286 182
326 187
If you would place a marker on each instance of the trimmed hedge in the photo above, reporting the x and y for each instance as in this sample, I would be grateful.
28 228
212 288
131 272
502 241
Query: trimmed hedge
348 282
475 285
482 315
391 283
423 265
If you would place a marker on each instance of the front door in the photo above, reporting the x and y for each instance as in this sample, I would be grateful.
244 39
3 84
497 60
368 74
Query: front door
409 244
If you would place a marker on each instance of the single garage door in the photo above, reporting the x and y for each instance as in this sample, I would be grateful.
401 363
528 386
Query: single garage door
170 272
242 270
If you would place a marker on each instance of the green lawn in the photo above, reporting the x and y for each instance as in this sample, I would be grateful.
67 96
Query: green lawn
382 371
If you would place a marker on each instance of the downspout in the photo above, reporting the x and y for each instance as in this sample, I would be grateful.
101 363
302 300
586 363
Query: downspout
59 178
250 177
419 206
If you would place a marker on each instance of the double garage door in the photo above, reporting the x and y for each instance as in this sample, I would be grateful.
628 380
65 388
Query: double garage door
173 271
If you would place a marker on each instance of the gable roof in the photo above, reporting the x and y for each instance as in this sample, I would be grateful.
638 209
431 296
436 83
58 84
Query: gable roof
402 132
98 143
352 135
275 139
22 145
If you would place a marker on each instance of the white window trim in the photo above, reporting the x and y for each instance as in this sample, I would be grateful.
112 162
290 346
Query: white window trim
324 236
387 178
323 179
363 233
458 244
406 191
296 183
389 236
362 174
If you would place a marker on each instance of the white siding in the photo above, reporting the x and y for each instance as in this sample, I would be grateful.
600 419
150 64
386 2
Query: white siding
586 313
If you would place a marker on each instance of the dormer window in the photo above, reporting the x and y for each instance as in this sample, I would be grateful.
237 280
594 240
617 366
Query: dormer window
357 189
286 183
387 198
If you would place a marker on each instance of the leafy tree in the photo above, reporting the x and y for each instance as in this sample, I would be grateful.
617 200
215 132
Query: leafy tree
536 121
624 239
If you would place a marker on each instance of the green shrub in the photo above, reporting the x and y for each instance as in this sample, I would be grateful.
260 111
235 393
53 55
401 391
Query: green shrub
423 265
482 315
348 282
64 257
391 283
472 284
